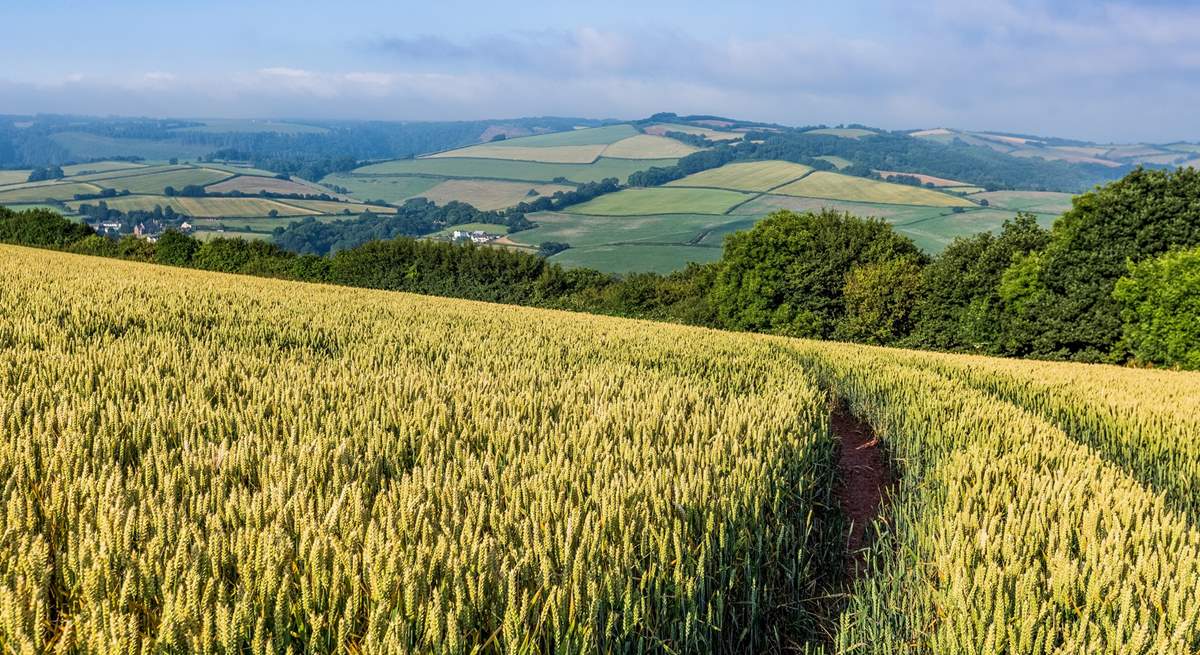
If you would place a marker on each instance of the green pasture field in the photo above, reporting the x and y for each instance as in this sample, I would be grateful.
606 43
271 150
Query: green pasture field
846 132
931 228
39 205
239 170
661 200
547 155
1047 202
524 171
489 194
592 230
209 235
60 191
259 183
637 258
227 125
132 172
155 182
746 176
83 145
766 204
391 188
934 233
100 167
834 186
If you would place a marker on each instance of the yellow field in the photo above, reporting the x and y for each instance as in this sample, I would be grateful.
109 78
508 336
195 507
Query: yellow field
584 154
1029 510
204 207
746 176
647 146
708 133
13 177
489 194
196 462
832 186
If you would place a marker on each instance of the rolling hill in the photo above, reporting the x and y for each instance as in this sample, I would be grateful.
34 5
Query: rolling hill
237 460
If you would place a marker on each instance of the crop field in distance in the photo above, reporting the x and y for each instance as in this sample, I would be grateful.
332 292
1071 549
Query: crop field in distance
489 194
523 171
270 455
661 200
582 154
204 207
758 176
257 183
491 169
845 132
147 182
140 182
661 129
833 186
678 226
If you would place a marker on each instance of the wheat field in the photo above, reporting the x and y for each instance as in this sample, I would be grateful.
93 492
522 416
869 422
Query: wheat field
198 462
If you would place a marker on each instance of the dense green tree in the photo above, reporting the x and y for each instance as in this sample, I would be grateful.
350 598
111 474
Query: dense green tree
1070 311
787 273
175 249
881 299
960 307
40 227
1160 306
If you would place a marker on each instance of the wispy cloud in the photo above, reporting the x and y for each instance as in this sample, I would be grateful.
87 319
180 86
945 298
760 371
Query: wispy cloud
1074 68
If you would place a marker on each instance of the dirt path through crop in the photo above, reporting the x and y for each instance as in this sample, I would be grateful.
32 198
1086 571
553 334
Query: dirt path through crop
864 479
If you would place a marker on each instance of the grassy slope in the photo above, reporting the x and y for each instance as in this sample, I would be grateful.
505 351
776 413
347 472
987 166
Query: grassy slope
746 176
834 186
206 207
489 194
513 170
156 182
582 154
661 200
647 146
83 145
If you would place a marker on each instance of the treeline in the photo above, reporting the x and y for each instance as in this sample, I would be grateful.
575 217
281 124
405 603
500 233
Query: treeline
416 217
310 155
899 152
1117 279
890 152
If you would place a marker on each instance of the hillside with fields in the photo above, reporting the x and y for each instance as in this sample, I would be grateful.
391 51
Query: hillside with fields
671 188
575 481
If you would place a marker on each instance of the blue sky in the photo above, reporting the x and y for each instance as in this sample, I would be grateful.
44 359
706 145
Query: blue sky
1094 70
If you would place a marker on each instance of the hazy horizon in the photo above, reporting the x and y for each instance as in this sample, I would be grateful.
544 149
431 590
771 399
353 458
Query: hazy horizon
1108 72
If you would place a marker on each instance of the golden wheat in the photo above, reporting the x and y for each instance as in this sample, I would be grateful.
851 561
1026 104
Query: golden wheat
1007 536
197 462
